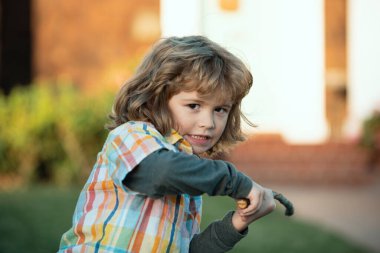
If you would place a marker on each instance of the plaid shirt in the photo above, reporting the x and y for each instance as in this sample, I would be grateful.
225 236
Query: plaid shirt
109 217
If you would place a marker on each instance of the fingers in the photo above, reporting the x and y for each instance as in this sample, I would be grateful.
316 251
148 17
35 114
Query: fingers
258 208
268 206
255 199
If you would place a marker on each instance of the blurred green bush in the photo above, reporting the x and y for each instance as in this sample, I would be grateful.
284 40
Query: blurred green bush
370 139
51 133
371 131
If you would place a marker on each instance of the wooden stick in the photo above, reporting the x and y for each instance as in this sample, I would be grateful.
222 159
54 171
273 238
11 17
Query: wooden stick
244 203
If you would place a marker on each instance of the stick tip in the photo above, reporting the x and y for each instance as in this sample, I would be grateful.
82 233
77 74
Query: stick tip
242 203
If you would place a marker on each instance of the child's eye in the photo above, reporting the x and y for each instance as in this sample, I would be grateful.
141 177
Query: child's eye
193 106
222 110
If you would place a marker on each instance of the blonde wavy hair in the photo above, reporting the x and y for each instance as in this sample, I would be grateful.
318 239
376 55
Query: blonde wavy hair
175 64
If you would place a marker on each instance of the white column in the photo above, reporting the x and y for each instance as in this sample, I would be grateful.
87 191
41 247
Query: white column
297 68
180 17
363 62
282 42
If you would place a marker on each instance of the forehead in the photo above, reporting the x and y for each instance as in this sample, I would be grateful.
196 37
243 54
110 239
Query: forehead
223 91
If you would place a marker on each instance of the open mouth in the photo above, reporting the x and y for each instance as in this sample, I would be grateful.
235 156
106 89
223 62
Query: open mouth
199 137
199 143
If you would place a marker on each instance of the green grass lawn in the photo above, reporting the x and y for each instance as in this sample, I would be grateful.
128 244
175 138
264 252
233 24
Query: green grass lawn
279 233
33 220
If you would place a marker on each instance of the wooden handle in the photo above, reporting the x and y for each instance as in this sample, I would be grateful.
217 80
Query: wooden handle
244 203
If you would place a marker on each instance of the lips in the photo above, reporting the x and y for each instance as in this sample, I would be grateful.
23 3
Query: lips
198 139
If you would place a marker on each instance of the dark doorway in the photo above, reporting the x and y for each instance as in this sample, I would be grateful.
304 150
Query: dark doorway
15 44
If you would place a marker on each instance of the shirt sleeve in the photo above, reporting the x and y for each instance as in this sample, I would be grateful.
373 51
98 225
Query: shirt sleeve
128 145
220 236
165 172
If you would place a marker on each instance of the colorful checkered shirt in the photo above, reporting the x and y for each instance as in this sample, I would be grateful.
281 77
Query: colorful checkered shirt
109 217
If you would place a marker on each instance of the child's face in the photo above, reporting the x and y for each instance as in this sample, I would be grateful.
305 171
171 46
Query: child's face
200 120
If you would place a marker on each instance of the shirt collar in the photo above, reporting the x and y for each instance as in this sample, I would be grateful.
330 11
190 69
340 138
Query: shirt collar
177 140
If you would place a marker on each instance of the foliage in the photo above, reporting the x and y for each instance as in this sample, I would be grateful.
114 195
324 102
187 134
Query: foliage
51 133
371 131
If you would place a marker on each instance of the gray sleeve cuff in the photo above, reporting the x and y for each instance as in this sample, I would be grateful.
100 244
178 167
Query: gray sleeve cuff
227 232
220 236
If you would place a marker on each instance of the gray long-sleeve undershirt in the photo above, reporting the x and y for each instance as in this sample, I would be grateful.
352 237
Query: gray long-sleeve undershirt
166 172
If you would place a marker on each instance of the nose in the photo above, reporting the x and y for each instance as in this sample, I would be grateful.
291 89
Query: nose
207 120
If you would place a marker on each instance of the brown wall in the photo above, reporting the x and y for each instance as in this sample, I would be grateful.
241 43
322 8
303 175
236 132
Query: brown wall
336 66
92 42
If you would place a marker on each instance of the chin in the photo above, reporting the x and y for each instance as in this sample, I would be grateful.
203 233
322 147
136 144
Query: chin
200 151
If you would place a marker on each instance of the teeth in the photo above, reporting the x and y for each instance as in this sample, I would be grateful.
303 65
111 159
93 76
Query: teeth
199 137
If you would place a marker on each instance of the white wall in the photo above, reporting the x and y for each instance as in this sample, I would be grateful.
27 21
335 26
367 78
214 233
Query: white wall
364 62
181 17
282 42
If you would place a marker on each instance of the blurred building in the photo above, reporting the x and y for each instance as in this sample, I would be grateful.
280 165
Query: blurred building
89 43
316 78
315 63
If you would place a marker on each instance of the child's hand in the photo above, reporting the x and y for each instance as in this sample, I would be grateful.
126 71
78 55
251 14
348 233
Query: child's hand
255 198
241 222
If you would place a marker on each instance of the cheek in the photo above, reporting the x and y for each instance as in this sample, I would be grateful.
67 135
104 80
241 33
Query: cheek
223 122
222 126
179 122
174 113
183 121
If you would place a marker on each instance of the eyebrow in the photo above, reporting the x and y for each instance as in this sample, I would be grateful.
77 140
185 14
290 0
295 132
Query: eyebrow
197 100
